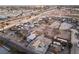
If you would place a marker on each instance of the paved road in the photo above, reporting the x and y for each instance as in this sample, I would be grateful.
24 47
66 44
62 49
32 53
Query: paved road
4 50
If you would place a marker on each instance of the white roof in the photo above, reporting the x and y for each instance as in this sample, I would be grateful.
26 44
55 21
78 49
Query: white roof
58 43
62 40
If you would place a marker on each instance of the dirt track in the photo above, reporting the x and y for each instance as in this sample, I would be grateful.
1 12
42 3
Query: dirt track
54 12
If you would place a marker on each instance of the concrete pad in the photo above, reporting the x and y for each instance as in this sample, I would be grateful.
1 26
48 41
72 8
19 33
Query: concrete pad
65 26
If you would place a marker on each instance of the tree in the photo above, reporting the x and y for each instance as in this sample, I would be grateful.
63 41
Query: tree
2 25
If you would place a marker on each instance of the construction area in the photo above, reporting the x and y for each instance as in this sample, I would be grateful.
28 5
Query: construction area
39 29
